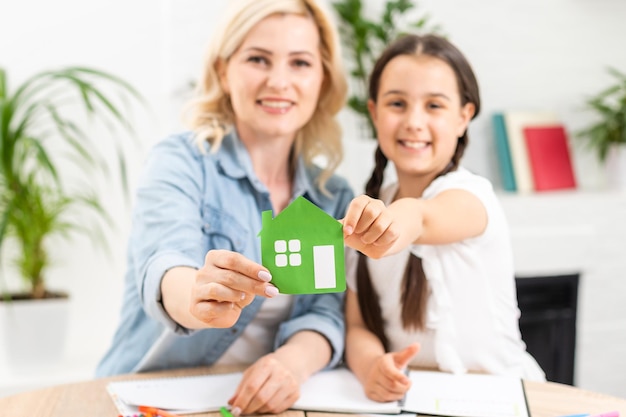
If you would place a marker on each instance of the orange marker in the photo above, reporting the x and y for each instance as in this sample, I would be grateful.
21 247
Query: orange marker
156 412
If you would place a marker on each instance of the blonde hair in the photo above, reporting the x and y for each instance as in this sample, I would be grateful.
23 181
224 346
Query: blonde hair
211 115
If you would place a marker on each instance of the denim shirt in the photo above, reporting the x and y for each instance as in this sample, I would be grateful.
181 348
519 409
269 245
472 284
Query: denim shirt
188 203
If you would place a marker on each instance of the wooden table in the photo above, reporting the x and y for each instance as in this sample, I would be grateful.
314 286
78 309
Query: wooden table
90 399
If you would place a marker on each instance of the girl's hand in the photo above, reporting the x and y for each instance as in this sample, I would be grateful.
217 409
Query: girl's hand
268 386
226 284
369 227
386 380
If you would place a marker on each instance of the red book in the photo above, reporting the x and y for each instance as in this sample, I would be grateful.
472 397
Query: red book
549 157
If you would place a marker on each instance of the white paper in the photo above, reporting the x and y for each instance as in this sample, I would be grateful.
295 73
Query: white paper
339 391
180 395
466 395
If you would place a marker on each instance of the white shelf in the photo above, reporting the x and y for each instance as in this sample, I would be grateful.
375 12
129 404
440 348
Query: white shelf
560 231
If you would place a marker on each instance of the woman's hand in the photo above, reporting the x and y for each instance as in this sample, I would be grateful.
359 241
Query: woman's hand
386 380
267 386
272 383
226 284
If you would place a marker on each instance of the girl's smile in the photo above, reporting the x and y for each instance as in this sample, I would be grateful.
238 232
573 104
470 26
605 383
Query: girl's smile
418 115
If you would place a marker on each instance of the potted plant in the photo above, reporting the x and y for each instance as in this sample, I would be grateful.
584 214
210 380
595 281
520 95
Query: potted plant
607 136
364 39
41 130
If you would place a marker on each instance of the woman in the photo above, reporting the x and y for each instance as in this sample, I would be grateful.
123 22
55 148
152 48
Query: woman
195 291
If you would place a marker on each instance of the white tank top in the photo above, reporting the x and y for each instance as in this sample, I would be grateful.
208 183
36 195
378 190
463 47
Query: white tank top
258 337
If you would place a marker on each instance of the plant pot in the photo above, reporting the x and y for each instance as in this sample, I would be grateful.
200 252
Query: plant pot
616 166
33 333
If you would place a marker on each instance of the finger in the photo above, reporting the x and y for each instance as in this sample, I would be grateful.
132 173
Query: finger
245 301
240 291
382 392
390 393
379 232
268 396
253 379
279 405
225 285
217 314
208 282
343 225
369 216
402 358
391 235
214 291
388 377
393 381
233 261
213 309
354 213
391 375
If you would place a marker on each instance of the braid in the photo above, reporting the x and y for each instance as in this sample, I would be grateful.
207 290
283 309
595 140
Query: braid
414 296
369 302
414 293
372 188
367 296
459 151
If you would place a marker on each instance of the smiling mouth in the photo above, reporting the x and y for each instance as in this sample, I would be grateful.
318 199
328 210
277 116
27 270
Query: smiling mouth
275 104
414 145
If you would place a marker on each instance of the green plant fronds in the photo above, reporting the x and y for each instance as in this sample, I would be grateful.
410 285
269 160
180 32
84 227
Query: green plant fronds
43 112
363 40
609 105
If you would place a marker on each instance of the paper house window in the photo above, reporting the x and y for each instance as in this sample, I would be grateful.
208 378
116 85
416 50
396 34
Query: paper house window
288 253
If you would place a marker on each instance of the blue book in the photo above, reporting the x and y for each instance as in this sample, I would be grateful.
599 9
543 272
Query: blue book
504 154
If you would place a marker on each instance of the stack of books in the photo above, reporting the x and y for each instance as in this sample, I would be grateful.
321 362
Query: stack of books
533 151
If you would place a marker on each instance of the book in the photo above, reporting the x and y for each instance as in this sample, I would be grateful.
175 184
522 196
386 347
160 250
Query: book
515 122
337 390
178 395
549 156
504 154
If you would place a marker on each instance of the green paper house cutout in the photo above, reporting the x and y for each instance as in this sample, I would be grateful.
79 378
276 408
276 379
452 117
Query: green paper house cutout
303 249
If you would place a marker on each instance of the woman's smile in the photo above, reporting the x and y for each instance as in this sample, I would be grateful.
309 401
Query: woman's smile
276 106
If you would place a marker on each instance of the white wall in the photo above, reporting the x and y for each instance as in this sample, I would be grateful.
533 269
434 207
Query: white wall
127 39
535 55
527 55
580 232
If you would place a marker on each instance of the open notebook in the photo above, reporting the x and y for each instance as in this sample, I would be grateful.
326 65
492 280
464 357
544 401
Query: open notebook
338 390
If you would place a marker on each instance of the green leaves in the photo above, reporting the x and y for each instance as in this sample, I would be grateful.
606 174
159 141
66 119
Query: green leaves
364 40
3 84
42 124
610 107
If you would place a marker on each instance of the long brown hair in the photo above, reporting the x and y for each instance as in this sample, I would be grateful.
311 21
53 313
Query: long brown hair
414 294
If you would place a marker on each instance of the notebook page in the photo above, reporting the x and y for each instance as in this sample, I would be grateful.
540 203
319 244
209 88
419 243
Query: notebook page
339 391
466 395
185 394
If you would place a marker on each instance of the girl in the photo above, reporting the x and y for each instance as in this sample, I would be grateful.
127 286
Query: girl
439 278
